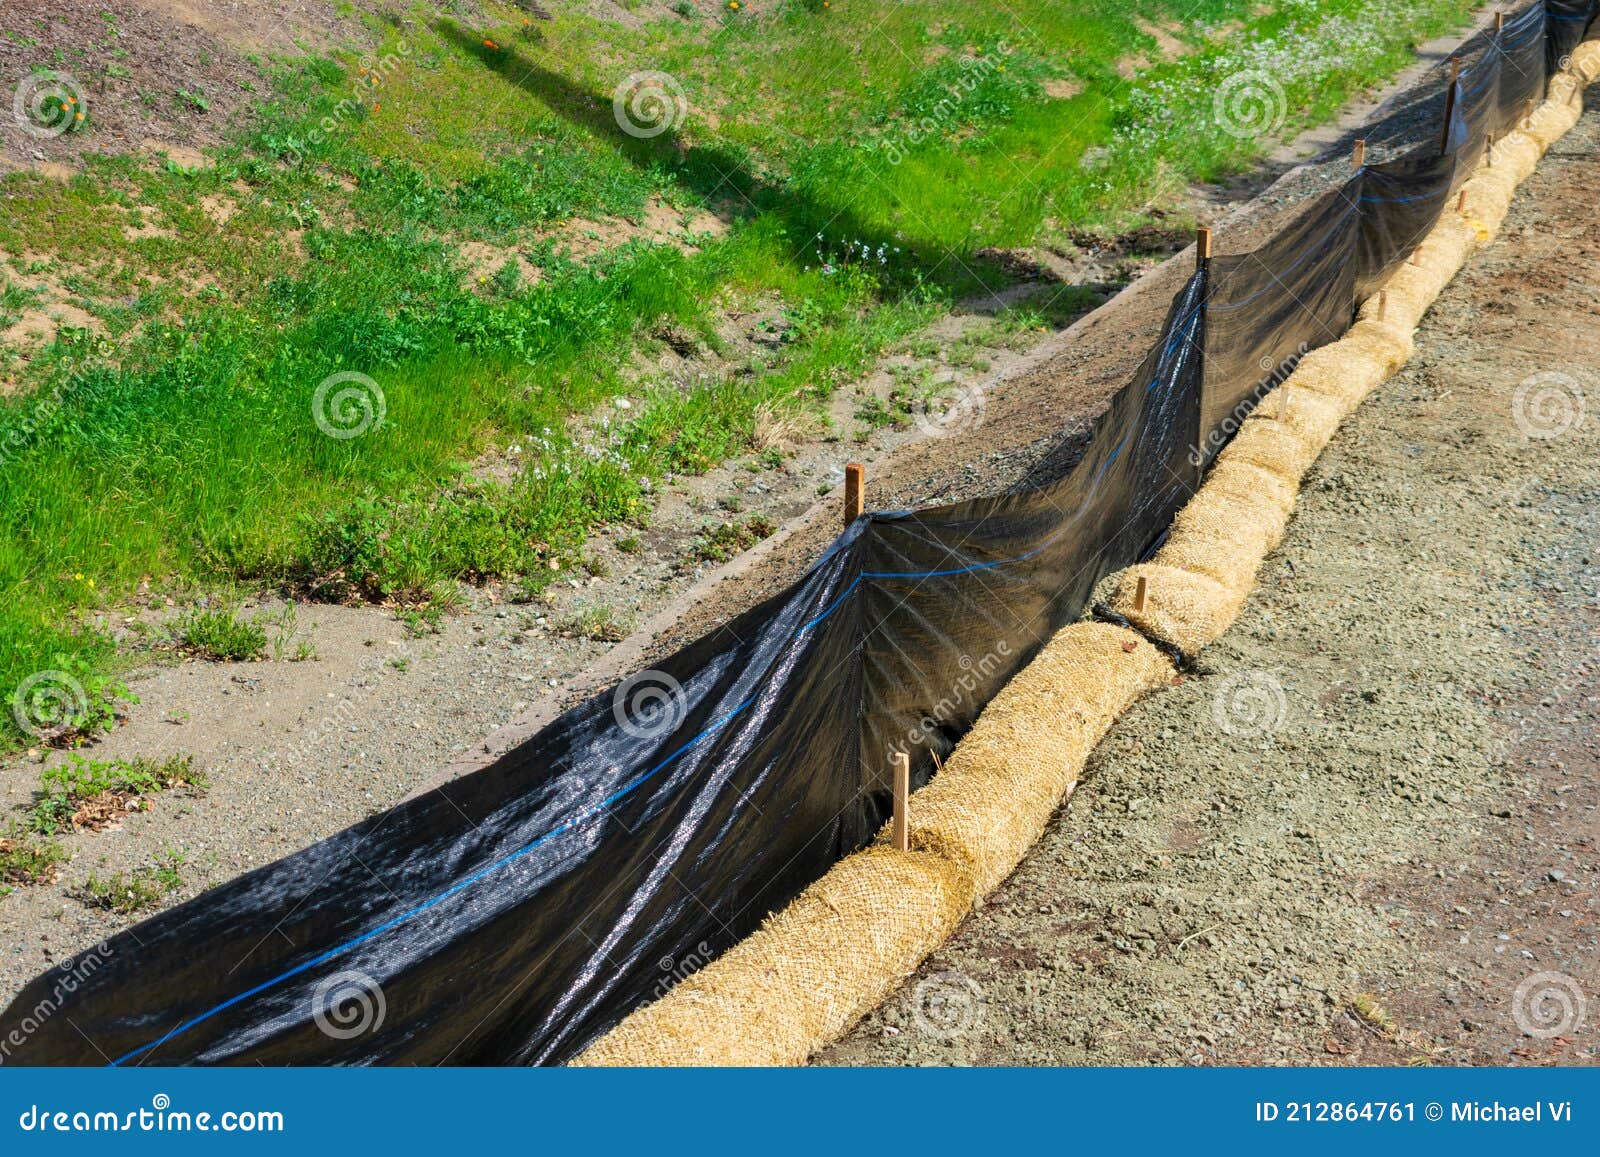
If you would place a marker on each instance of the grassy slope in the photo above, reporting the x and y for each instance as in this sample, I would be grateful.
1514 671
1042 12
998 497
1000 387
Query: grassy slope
180 445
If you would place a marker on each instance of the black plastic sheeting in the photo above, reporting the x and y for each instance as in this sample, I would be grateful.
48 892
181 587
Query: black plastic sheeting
513 915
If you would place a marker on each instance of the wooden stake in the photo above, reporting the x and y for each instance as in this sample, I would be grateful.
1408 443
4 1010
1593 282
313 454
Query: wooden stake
1360 157
1139 592
1383 303
1488 152
1499 24
1461 202
855 491
1202 247
902 802
1449 106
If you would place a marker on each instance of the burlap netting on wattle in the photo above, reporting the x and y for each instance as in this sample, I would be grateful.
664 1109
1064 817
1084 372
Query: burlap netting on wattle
990 802
808 974
836 952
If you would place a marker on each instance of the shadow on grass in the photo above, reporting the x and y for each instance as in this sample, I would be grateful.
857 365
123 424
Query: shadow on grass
719 175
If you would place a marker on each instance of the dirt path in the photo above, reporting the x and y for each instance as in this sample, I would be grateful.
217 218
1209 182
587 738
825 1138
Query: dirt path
1365 832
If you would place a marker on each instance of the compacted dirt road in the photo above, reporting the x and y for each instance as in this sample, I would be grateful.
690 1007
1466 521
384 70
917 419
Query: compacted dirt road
1365 831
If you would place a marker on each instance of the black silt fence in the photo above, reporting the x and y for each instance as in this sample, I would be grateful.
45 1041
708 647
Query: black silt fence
518 912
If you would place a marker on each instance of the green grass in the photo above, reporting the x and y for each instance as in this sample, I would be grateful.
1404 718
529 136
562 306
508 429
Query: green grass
67 698
721 542
387 236
597 624
221 635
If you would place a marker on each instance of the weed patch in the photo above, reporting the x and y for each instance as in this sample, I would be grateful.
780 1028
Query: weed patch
135 891
26 860
221 635
71 699
718 544
597 624
89 794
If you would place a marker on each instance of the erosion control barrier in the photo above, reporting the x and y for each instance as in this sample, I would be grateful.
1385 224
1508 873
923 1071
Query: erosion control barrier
518 913
1002 783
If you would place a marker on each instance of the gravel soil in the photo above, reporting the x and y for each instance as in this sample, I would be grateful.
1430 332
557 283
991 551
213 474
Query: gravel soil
1364 832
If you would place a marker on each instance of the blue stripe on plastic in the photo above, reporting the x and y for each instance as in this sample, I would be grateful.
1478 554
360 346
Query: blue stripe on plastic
1404 200
595 809
582 817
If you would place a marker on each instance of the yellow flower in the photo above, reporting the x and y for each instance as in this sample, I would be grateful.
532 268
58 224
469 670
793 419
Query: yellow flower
77 578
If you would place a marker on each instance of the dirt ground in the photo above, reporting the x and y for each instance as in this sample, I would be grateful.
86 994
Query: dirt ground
151 74
1365 831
